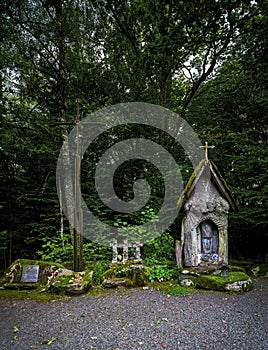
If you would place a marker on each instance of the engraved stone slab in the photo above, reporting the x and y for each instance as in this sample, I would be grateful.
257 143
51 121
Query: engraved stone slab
30 273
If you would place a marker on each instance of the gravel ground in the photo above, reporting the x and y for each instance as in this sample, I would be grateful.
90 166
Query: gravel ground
142 319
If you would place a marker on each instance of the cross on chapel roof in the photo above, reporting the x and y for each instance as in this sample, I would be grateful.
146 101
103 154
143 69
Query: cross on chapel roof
206 150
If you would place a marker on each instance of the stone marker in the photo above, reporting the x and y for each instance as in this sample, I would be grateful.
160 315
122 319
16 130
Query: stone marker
137 247
125 245
115 252
125 250
30 274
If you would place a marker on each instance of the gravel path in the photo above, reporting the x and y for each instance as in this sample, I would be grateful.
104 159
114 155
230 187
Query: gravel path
142 319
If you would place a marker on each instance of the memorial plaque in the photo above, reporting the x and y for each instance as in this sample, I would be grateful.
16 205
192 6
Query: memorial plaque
30 273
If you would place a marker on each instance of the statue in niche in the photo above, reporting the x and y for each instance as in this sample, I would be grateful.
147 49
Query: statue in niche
206 245
209 237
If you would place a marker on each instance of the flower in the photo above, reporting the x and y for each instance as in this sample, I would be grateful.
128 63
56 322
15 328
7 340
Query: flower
51 277
209 258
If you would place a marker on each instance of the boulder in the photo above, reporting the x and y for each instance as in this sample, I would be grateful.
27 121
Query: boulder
16 277
236 282
67 282
132 274
212 278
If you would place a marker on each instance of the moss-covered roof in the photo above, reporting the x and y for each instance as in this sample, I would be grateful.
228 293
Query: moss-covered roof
217 179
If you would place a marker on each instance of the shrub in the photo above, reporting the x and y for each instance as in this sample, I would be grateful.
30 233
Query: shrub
159 251
98 270
159 273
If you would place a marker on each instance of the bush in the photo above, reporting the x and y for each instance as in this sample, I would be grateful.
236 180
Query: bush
160 273
98 270
97 252
160 251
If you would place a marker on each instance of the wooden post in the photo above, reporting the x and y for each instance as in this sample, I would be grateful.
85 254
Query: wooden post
78 215
77 210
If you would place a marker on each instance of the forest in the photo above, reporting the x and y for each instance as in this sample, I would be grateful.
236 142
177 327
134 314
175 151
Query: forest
63 60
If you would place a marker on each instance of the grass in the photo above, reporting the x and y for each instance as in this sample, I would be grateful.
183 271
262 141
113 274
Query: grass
171 288
36 295
99 291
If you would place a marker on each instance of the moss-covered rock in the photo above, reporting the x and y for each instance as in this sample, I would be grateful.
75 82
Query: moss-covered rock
75 284
234 268
259 270
240 286
135 275
20 286
14 272
116 282
236 281
53 276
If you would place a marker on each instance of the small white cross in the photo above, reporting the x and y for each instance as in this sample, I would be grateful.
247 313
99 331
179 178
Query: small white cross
206 150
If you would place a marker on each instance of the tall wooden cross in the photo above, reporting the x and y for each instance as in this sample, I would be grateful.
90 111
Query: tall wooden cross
206 150
77 210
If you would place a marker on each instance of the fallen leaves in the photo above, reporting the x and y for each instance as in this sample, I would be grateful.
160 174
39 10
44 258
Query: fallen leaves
48 341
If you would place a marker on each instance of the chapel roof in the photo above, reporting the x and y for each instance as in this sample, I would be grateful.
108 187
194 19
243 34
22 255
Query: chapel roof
217 179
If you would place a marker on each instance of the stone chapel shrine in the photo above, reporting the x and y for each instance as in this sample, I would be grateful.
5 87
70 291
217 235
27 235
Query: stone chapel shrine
205 202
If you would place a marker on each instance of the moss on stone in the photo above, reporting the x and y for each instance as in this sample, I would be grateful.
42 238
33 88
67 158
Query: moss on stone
13 273
237 276
235 268
67 285
138 274
129 283
200 168
219 283
193 279
20 286
117 270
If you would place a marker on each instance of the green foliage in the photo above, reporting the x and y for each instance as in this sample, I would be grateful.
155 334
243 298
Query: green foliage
159 257
159 251
57 248
159 273
62 60
60 249
96 252
140 233
98 270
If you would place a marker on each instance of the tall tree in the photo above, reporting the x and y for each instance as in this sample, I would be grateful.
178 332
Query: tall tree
231 112
57 56
162 51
